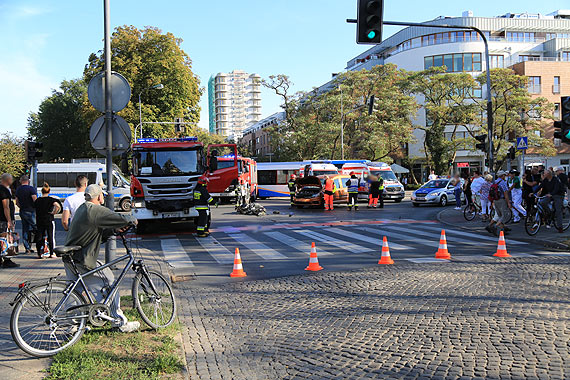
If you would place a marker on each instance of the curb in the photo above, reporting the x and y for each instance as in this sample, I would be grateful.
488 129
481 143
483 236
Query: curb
544 243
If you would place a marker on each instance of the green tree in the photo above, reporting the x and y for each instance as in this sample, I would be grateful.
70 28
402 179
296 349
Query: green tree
146 57
447 101
12 159
515 113
61 123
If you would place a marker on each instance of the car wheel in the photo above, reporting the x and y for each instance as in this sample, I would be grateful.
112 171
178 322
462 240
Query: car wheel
125 204
416 204
443 201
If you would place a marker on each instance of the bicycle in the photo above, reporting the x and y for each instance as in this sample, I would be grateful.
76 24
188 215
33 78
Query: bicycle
51 315
471 211
537 215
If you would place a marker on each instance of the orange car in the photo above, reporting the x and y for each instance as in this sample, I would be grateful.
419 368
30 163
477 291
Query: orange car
310 191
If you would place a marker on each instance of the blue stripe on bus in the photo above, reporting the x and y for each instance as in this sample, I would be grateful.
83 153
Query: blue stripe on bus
270 193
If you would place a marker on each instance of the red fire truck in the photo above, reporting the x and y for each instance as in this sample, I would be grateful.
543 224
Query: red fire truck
165 173
226 184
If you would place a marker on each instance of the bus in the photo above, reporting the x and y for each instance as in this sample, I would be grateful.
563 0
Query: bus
272 178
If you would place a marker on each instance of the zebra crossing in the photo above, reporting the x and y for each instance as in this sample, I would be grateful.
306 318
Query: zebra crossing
415 242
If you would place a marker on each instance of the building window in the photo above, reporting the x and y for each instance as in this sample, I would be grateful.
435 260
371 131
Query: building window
556 112
550 36
565 56
497 61
556 85
534 85
520 37
525 58
455 62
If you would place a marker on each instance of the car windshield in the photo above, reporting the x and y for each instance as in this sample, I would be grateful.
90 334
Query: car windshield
167 162
435 184
324 172
387 175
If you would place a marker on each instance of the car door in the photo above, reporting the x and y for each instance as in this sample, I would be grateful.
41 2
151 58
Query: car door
450 192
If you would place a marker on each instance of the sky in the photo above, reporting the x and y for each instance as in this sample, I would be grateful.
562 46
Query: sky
43 42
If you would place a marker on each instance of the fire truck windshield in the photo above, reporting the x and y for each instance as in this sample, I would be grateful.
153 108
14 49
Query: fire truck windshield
168 162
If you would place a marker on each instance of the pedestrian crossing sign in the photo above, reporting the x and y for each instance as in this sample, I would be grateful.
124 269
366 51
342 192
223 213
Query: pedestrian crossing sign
522 143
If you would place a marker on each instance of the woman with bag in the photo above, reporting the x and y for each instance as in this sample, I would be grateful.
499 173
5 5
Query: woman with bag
46 208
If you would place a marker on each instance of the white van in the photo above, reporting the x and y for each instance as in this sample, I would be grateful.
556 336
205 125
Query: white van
316 168
393 189
61 179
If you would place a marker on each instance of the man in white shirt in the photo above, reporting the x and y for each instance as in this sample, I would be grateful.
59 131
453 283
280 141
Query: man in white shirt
73 202
432 176
476 185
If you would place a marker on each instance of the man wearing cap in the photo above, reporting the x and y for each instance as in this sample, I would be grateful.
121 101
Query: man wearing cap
202 200
91 225
502 204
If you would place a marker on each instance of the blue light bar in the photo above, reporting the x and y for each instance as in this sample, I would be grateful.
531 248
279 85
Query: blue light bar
146 140
174 139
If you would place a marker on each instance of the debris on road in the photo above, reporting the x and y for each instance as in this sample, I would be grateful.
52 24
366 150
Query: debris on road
251 209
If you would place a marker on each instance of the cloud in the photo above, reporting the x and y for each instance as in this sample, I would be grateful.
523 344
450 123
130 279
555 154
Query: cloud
23 89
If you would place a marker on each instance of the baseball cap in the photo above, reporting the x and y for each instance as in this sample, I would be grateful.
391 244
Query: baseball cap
92 192
501 173
557 168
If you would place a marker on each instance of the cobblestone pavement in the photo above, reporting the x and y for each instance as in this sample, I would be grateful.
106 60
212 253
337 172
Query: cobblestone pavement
487 319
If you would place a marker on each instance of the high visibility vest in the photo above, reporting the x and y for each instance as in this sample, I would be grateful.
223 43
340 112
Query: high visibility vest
291 185
381 184
202 198
330 186
352 185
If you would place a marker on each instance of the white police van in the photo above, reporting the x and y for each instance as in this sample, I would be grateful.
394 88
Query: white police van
61 179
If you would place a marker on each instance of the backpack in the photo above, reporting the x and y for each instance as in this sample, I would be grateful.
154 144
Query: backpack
494 192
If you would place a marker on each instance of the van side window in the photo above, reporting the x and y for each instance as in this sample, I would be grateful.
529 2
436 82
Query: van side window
91 177
337 184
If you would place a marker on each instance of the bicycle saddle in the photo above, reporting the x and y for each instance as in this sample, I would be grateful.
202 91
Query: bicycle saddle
66 250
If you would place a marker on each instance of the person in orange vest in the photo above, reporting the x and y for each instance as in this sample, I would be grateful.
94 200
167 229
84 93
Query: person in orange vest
330 189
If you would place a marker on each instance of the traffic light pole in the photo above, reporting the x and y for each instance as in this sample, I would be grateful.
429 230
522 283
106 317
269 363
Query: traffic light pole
111 243
487 63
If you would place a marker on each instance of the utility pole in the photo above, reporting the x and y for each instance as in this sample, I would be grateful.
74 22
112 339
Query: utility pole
341 125
111 243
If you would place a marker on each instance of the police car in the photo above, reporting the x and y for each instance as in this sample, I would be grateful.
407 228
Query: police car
437 191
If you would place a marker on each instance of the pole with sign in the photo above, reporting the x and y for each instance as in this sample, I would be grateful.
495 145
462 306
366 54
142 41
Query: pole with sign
522 144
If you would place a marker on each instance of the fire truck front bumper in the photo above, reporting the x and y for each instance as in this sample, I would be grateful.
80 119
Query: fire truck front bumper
141 212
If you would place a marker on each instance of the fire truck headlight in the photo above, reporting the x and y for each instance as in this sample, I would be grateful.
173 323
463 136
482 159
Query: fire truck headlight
138 205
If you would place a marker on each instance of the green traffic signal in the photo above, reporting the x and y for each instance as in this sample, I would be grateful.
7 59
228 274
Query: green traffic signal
371 35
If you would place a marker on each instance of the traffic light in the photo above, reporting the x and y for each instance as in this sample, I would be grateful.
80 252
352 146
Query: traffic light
369 21
482 146
562 127
512 152
370 105
32 150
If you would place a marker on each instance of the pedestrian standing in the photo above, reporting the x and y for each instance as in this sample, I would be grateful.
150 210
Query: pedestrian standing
46 208
457 191
375 192
72 203
26 195
559 171
516 193
476 184
485 202
467 189
292 187
7 214
499 195
352 185
432 176
202 200
330 189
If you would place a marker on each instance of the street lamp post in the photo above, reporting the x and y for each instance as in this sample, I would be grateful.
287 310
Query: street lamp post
341 125
159 86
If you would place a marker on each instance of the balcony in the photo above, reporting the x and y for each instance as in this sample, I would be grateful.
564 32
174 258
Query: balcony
534 89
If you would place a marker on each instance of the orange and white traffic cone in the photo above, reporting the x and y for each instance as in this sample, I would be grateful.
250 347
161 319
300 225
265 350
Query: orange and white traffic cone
442 252
385 258
238 268
313 260
502 247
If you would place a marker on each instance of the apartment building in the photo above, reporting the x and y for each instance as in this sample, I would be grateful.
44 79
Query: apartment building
258 139
234 102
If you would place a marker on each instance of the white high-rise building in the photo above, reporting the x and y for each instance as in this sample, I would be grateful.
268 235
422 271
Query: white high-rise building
235 99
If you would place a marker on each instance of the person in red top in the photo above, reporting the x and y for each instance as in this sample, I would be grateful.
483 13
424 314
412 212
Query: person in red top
330 189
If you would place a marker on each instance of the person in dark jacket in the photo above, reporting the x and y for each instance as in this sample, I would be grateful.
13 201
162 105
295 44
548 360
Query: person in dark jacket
352 184
375 192
554 191
46 207
292 187
202 200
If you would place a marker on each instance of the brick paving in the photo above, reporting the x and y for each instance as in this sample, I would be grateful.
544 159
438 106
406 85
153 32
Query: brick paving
501 319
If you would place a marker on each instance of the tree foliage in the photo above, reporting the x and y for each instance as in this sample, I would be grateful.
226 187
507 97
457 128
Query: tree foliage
312 125
515 113
12 156
62 123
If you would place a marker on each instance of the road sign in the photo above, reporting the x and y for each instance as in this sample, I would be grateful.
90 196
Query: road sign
121 135
522 143
120 92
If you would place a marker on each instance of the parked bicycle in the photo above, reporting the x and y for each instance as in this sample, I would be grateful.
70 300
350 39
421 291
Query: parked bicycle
538 216
51 315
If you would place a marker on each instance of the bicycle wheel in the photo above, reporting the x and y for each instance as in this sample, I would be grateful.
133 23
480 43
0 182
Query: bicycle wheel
565 218
469 213
40 332
532 222
157 309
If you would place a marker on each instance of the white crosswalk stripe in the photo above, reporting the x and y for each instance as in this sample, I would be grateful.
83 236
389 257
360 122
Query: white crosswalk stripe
471 235
348 246
397 234
377 240
175 254
294 243
216 250
257 247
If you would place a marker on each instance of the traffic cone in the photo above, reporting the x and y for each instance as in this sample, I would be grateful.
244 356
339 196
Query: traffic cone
238 268
385 258
502 247
313 260
442 252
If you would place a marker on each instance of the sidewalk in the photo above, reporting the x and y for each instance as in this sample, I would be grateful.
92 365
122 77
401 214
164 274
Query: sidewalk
14 363
549 238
